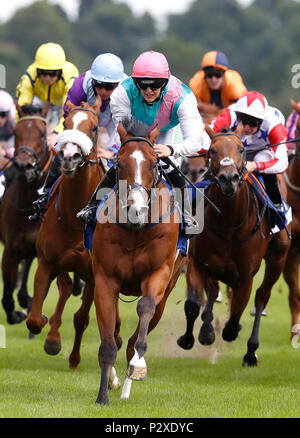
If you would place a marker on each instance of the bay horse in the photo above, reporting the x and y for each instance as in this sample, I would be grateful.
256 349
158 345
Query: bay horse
291 275
231 248
60 247
30 164
134 253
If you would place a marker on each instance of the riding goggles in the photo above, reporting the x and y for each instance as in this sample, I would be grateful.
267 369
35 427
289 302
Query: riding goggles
248 120
107 85
154 84
214 73
4 114
52 73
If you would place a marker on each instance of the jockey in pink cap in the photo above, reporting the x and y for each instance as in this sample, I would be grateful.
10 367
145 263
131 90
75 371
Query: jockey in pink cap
154 97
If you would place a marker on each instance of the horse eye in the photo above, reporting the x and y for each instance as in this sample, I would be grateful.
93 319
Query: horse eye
95 128
77 156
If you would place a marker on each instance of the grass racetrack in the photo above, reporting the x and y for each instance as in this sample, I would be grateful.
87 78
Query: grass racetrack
205 382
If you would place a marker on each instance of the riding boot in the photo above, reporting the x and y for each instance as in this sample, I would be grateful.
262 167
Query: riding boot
271 185
54 173
87 214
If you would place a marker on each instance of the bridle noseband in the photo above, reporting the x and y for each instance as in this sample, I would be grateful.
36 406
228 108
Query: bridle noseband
241 172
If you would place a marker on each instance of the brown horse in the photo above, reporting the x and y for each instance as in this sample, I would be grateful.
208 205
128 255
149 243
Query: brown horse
291 275
134 254
30 164
60 245
231 248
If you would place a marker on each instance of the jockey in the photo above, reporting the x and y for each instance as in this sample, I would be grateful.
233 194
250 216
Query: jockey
291 125
106 72
215 85
48 79
263 126
7 126
155 97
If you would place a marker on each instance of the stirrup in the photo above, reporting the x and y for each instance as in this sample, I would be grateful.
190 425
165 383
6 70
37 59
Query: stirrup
190 227
34 217
87 214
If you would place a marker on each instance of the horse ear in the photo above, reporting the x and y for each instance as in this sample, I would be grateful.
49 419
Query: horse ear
239 130
209 131
295 106
122 132
97 105
154 134
19 109
69 105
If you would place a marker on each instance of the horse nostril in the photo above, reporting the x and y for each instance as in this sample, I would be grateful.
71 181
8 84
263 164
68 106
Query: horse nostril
235 179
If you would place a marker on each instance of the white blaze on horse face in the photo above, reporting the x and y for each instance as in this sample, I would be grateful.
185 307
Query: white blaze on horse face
138 156
227 162
78 118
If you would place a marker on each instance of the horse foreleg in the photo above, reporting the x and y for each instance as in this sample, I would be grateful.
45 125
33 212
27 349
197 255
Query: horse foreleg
291 276
240 298
25 300
105 298
207 331
42 280
81 321
52 343
10 274
192 305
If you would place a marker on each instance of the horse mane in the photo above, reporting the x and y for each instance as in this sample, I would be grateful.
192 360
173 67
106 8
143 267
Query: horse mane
135 127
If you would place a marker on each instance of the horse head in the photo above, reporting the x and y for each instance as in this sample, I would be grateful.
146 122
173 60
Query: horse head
227 160
31 152
137 170
78 139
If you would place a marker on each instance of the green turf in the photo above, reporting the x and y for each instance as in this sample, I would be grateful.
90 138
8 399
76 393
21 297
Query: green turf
205 382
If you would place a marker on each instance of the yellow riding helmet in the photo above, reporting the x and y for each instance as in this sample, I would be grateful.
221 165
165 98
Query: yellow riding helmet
50 56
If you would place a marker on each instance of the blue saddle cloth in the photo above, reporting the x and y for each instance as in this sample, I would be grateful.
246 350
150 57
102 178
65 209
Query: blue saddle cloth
182 242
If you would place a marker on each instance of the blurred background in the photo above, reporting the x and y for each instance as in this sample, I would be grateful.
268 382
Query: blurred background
261 38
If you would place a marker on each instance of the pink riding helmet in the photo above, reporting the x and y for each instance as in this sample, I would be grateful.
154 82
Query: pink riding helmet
151 65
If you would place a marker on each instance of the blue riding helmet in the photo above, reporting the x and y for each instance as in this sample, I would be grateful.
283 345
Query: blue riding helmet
107 68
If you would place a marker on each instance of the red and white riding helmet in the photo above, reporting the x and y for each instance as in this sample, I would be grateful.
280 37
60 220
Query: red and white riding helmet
151 65
253 104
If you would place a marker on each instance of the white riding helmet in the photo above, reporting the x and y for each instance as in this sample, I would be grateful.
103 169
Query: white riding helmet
107 68
253 104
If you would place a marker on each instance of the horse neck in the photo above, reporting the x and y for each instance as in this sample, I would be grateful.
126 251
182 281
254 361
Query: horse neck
76 190
233 210
294 168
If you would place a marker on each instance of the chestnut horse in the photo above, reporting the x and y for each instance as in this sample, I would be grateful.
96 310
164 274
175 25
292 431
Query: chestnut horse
231 248
30 164
291 275
59 244
134 254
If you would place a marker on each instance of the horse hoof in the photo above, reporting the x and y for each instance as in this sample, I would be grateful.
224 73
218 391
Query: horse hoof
35 328
15 317
31 336
119 342
206 338
186 343
230 333
250 360
52 348
114 382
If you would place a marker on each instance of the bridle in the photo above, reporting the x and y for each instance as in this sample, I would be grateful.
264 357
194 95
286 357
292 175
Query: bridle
137 185
228 162
32 153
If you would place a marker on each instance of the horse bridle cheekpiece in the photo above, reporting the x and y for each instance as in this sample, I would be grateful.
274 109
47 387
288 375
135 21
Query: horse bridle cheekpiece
227 161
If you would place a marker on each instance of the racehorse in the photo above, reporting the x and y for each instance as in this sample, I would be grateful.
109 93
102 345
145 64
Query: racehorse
30 164
231 248
134 252
291 275
59 244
